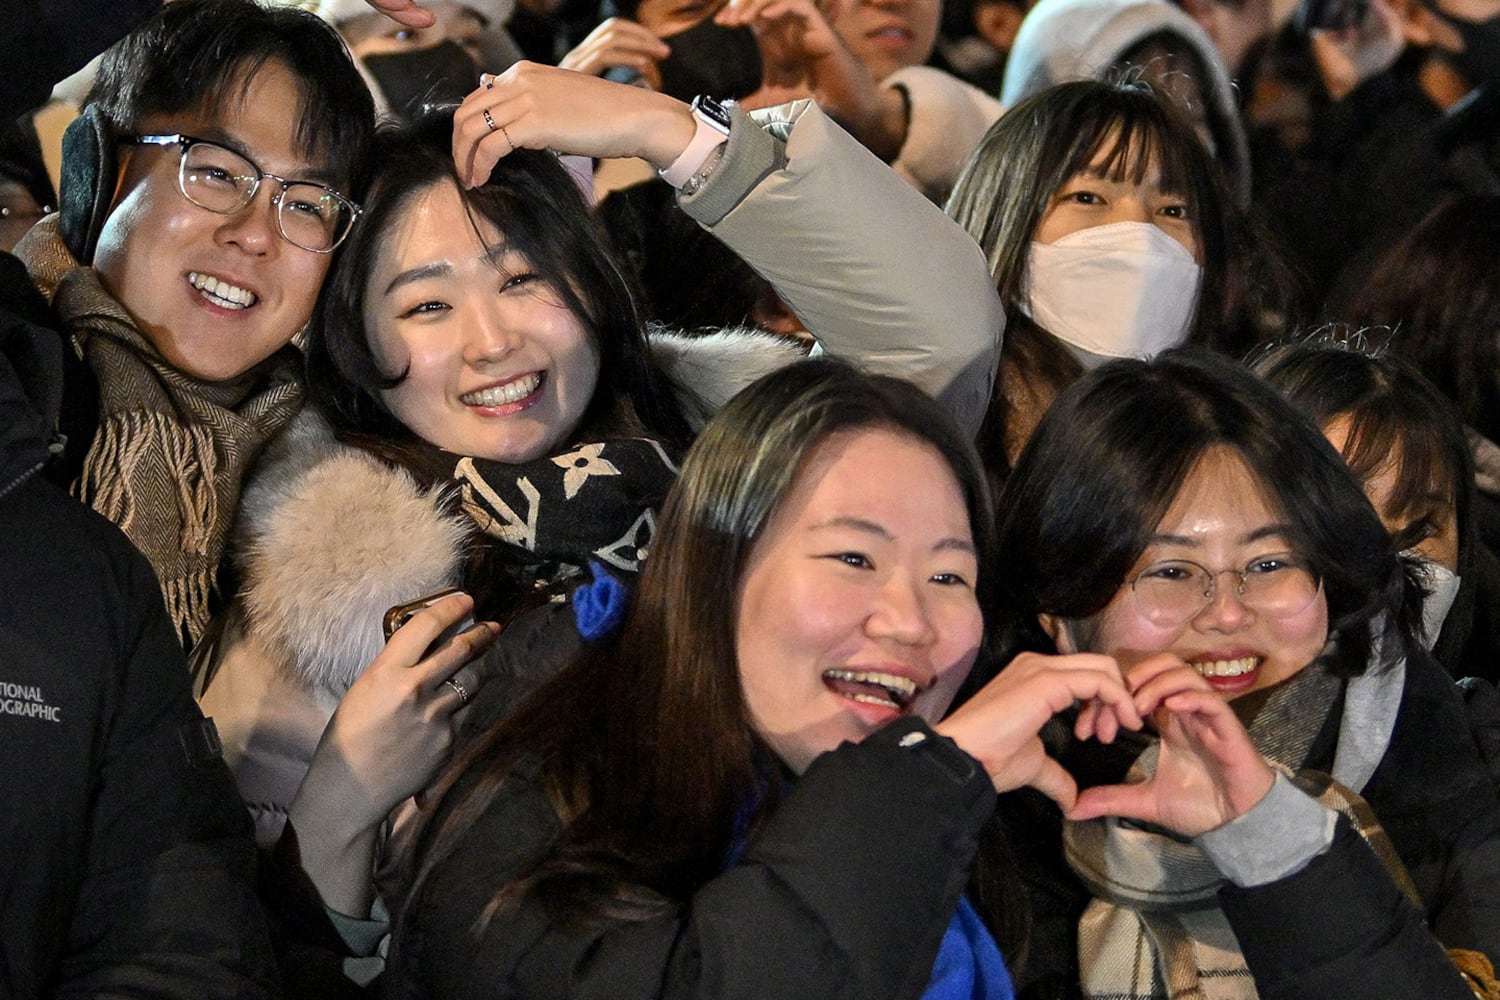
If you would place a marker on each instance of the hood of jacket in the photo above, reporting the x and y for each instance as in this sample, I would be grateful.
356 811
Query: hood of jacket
329 537
1063 40
31 377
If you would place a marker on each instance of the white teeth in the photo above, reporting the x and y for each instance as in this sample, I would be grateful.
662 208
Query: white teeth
499 395
1227 668
901 687
222 293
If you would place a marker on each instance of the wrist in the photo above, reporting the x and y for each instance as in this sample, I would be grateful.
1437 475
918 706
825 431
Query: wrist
710 122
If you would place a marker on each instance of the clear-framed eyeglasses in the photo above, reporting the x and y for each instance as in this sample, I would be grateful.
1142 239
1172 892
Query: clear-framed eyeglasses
309 215
1175 591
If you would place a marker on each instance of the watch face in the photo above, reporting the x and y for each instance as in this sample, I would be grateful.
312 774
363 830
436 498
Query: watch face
711 110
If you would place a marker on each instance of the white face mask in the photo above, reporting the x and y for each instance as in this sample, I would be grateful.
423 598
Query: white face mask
1441 586
1125 290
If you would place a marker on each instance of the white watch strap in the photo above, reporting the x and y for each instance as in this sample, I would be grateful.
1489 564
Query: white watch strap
706 139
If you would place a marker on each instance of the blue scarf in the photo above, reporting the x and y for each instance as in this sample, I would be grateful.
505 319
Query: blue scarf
968 966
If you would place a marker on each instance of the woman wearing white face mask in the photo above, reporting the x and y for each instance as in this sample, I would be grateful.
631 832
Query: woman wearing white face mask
1109 233
1404 443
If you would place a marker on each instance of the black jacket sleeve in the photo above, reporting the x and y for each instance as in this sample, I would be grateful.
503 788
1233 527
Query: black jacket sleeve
845 893
1339 927
123 847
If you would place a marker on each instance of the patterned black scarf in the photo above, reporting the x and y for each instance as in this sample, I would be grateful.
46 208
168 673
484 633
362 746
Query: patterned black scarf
553 515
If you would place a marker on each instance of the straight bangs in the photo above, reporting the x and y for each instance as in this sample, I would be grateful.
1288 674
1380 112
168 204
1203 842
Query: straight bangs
321 133
1394 417
1121 144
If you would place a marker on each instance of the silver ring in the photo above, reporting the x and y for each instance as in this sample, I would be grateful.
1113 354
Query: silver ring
489 121
463 696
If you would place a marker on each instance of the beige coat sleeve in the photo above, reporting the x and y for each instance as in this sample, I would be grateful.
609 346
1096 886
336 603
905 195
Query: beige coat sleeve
880 275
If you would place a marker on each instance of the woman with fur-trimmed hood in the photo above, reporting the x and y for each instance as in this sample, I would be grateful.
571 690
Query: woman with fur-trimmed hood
496 418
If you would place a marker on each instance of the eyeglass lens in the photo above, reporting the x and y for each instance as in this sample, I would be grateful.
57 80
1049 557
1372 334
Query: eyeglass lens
1175 592
221 180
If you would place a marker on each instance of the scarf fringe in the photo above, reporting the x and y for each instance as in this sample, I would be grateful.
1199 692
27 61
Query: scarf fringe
123 441
187 600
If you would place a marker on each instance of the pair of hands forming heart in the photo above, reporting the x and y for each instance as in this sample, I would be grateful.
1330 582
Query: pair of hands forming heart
1208 772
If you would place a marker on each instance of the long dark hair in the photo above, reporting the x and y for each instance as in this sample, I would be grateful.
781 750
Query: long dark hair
533 200
645 822
1109 458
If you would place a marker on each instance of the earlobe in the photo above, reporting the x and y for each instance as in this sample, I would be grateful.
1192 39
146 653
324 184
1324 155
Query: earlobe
1058 631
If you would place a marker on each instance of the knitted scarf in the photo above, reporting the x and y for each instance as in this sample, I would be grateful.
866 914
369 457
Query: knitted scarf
170 453
1154 929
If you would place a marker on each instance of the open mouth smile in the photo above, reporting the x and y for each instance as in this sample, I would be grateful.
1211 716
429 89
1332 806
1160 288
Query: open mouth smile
872 687
499 395
222 293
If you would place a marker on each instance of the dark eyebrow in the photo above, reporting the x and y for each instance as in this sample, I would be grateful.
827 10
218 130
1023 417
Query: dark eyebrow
437 269
1264 531
491 255
219 137
870 527
496 252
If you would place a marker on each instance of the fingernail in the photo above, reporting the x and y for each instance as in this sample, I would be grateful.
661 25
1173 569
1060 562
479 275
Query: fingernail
488 80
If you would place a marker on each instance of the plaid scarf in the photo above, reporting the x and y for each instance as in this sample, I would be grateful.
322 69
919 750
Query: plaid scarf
1154 929
170 453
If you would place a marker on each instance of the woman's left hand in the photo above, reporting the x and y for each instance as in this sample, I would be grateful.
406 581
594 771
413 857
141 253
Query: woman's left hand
1208 773
531 106
794 38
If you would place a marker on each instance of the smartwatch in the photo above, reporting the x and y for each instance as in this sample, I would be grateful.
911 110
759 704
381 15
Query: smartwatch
713 120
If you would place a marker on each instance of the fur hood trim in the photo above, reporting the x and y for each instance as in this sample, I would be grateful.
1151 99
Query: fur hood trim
331 537
711 368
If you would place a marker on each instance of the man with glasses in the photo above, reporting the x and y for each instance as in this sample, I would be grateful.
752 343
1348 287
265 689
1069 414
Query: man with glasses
125 854
205 187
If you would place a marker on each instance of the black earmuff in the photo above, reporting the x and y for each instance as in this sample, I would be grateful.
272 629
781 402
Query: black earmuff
89 176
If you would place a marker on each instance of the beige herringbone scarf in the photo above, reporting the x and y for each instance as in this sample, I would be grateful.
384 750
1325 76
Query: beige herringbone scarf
171 451
1154 929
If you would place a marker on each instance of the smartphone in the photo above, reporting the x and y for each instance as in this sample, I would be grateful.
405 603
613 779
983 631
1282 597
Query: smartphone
401 614
1331 15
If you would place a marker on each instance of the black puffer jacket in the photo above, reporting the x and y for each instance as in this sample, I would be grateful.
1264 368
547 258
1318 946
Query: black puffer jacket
126 867
845 893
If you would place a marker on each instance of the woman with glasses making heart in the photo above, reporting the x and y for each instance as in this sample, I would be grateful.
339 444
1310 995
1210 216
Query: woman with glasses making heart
1313 816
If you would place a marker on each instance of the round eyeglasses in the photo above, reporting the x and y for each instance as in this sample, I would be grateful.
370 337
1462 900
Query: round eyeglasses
1175 591
309 215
